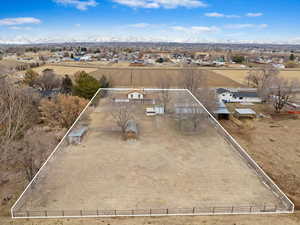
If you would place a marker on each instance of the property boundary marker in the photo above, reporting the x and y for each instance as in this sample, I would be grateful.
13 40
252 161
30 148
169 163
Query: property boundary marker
276 190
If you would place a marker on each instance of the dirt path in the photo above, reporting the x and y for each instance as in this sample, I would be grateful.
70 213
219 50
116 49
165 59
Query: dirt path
293 219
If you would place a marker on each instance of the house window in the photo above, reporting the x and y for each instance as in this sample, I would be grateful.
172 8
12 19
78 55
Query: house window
241 98
139 96
131 96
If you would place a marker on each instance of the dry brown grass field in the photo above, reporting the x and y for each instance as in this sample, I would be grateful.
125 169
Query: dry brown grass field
62 70
240 75
274 143
172 220
150 77
182 171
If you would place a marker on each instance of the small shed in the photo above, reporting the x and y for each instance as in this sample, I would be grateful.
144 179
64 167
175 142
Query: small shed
222 113
244 113
75 136
131 131
156 110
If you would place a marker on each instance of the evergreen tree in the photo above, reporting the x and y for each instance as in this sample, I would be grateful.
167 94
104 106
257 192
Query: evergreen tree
85 85
292 57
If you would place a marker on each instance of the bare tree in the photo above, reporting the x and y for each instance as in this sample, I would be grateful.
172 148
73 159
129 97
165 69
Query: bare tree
282 92
262 79
18 109
48 80
121 114
33 150
195 81
208 98
192 79
191 118
164 84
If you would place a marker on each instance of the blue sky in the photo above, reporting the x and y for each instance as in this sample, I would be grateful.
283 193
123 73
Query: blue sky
272 21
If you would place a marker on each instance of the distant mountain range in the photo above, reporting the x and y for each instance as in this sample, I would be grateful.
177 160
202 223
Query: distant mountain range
24 40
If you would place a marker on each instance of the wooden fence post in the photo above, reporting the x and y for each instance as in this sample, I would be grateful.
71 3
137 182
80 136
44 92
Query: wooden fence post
63 213
46 214
213 210
150 212
167 210
194 210
232 208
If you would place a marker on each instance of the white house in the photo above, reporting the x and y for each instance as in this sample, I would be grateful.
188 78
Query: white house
238 96
136 94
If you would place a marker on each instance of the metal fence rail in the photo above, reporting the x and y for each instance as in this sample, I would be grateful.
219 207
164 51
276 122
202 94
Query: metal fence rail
150 212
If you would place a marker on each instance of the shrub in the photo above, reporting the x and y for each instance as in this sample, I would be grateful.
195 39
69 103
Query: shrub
61 111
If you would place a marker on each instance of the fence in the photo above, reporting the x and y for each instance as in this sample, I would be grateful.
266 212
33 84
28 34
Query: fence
18 209
265 179
150 212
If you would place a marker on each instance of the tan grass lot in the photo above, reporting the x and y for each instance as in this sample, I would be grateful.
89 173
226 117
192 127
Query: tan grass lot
162 169
151 77
172 220
240 75
62 70
274 144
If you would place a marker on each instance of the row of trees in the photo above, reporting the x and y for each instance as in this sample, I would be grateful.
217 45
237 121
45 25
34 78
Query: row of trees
271 87
84 85
30 125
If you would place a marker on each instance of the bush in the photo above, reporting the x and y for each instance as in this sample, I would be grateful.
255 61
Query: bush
238 59
31 77
62 111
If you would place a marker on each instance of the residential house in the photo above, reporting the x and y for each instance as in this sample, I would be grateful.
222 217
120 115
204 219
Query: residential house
238 96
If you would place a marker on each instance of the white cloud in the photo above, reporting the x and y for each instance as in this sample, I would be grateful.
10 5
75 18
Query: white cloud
139 25
168 4
19 21
220 15
20 28
196 29
77 25
78 4
244 26
254 14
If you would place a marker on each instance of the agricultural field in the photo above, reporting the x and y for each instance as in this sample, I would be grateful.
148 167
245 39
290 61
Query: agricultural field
150 77
240 75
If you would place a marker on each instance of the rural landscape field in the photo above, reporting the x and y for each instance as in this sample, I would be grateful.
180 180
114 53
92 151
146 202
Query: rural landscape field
160 112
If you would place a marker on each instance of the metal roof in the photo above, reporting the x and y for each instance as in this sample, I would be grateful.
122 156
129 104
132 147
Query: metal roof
249 94
131 126
245 111
78 132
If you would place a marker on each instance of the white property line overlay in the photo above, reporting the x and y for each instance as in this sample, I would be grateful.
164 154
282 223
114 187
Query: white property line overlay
146 89
54 151
244 151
